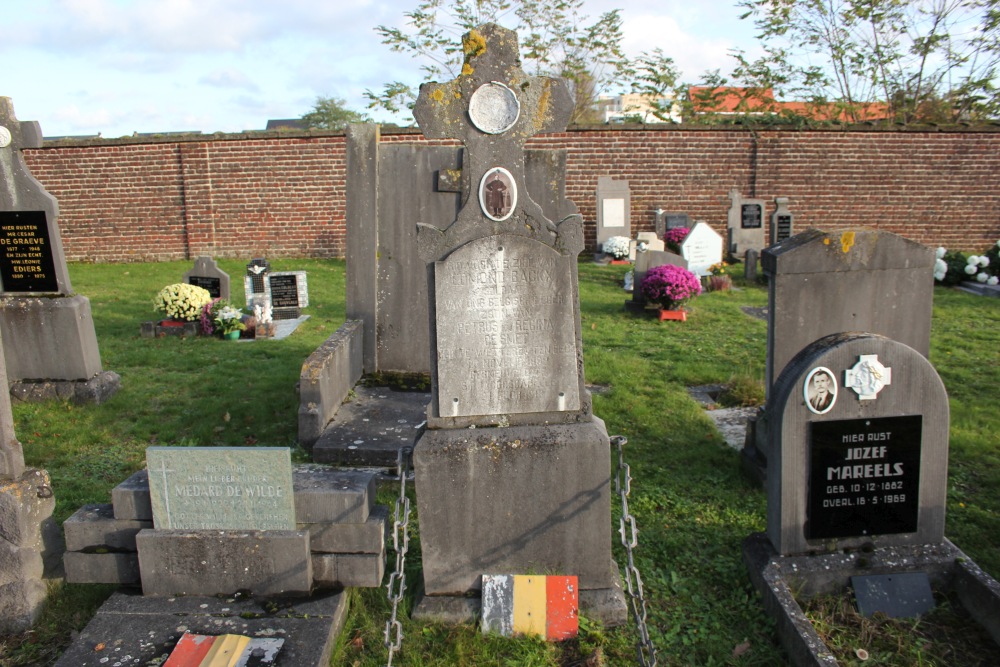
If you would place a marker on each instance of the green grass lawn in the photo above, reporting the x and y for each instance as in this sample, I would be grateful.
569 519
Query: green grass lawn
692 504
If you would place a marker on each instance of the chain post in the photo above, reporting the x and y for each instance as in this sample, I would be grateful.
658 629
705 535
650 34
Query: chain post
629 533
401 544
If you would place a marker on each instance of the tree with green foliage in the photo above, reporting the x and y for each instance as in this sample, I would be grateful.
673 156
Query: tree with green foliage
658 79
927 60
331 113
557 39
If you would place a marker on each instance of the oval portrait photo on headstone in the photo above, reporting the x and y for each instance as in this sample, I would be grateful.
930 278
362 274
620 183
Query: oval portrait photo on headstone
497 194
820 390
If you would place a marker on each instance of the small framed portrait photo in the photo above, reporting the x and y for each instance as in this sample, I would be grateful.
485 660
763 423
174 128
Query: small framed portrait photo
820 390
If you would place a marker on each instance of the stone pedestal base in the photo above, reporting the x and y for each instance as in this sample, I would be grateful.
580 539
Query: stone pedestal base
26 504
49 339
514 500
96 390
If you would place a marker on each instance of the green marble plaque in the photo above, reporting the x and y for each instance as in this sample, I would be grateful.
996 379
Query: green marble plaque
236 488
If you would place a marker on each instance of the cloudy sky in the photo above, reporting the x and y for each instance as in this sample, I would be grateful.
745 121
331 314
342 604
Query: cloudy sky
122 66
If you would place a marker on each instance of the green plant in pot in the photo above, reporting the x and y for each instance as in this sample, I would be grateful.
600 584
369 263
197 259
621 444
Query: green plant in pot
227 319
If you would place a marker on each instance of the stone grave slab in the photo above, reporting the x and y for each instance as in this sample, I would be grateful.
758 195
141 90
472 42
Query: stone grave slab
221 487
221 562
325 495
702 248
822 283
902 595
506 333
135 630
369 429
745 224
206 274
614 209
288 293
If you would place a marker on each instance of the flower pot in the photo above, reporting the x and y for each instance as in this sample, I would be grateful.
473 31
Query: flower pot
172 323
620 261
231 335
680 315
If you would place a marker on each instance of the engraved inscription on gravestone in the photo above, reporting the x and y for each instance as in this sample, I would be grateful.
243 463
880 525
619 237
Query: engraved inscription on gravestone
506 334
237 488
284 291
614 212
864 477
26 262
784 230
751 216
213 285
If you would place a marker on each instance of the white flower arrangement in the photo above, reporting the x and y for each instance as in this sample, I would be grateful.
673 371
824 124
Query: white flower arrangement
181 301
617 247
993 281
972 269
940 252
984 261
982 277
940 269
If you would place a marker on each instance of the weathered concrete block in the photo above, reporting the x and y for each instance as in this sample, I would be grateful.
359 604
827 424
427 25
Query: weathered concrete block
96 526
25 503
20 604
328 495
51 338
346 538
102 568
19 563
326 378
131 498
538 499
221 562
354 570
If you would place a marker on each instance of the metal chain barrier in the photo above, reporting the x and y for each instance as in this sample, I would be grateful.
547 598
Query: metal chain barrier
400 543
629 534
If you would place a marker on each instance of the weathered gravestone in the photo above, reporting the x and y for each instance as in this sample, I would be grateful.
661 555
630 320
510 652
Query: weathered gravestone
26 505
644 242
51 347
527 489
206 274
857 486
614 209
702 248
745 225
781 221
645 261
822 283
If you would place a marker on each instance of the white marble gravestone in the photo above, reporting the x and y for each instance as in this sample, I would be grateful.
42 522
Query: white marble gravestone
701 248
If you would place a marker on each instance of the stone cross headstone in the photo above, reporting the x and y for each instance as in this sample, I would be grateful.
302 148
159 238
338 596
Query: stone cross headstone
648 240
49 331
506 353
669 220
255 282
781 221
206 274
702 248
745 224
614 209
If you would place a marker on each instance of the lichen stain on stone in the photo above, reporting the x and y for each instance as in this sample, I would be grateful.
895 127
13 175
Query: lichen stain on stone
473 44
544 110
437 95
467 69
846 241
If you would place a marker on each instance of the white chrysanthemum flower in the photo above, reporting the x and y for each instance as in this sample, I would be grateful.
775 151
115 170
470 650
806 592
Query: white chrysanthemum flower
972 260
993 280
983 277
984 261
940 252
971 269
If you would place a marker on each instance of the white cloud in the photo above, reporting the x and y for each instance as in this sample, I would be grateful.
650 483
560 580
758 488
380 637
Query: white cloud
229 78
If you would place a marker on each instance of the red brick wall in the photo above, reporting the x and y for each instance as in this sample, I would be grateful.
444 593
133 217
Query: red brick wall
283 195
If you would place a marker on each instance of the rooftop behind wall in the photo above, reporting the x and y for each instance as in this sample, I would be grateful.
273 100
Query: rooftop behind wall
282 194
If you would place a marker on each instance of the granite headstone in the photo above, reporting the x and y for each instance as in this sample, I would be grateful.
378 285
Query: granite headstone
206 274
745 224
614 209
782 221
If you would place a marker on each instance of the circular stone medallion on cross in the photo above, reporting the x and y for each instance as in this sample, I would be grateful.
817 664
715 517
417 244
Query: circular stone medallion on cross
494 108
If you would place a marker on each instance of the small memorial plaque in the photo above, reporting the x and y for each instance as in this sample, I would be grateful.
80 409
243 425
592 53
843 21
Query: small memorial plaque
26 262
213 285
506 332
614 212
284 291
784 230
864 477
236 488
751 217
899 595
